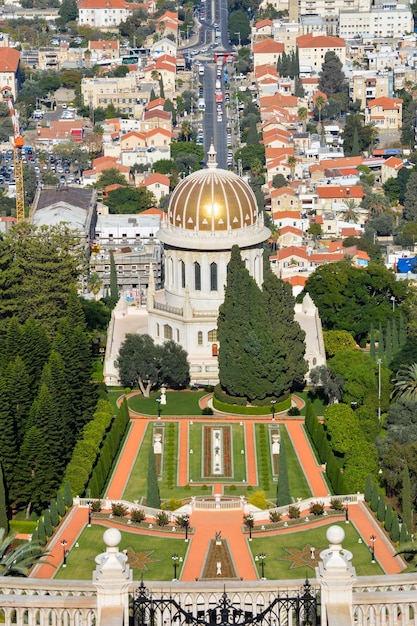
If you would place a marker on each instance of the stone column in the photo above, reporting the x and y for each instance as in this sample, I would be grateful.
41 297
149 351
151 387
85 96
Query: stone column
336 576
112 578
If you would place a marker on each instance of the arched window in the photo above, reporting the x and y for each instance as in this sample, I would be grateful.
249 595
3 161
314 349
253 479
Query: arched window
182 265
197 276
212 335
200 338
157 330
213 276
167 331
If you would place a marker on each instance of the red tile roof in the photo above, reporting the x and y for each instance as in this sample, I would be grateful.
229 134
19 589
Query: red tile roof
9 59
328 191
319 41
385 103
268 46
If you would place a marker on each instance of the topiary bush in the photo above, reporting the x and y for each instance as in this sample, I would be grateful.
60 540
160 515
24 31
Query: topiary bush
207 411
96 506
336 504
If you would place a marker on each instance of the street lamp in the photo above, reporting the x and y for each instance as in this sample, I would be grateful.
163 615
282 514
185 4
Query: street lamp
159 407
393 303
273 402
249 521
89 512
186 519
261 558
64 544
379 389
346 507
176 561
372 547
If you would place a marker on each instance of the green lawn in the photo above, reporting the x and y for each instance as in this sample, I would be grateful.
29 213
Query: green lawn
156 550
299 487
137 483
318 405
196 458
178 403
113 395
279 559
22 526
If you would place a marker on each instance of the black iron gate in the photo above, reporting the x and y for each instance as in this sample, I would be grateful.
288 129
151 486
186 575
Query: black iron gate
297 610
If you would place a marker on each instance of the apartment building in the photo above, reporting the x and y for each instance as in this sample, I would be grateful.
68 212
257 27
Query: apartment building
382 22
123 93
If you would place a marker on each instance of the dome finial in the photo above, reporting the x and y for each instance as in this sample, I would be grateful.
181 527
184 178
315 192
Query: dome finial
211 156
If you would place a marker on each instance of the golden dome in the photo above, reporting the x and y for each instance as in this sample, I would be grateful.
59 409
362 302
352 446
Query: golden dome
212 200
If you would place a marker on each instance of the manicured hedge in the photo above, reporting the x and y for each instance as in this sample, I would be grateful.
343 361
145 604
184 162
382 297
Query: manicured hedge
251 410
94 453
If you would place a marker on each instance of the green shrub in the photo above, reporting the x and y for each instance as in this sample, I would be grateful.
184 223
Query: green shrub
395 528
232 488
294 512
388 517
294 410
162 518
368 489
317 508
128 390
259 500
336 504
96 506
374 499
118 509
172 504
207 411
137 515
381 508
239 408
274 516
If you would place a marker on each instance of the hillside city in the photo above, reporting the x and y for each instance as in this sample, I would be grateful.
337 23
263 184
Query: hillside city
208 338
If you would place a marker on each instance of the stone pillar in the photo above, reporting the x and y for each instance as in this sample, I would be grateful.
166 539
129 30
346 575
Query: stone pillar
336 576
112 578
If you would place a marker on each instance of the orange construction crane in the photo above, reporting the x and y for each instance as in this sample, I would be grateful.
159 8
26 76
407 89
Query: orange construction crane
17 142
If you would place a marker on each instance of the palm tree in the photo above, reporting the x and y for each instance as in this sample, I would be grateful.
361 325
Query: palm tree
303 115
17 561
350 213
410 550
375 204
292 163
405 383
94 284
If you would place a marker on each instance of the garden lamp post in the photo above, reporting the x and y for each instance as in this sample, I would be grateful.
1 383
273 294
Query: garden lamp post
273 402
393 303
346 511
64 544
372 547
159 407
261 559
89 512
175 563
186 519
250 520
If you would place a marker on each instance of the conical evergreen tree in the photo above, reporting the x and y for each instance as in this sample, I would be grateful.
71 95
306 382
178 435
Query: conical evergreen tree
12 342
381 346
153 498
403 534
395 528
28 488
374 498
246 353
18 387
68 495
4 520
34 351
381 508
388 517
368 488
401 332
60 504
288 366
8 438
47 523
394 333
388 344
53 509
406 499
372 348
355 144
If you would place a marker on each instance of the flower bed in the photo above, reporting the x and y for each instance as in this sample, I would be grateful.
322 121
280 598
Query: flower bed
227 453
218 552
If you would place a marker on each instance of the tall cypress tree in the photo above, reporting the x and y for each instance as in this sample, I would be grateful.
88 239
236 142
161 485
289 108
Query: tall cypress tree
372 349
288 364
18 386
32 472
401 332
153 498
381 347
388 344
8 447
34 351
246 354
114 288
406 499
394 334
4 520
